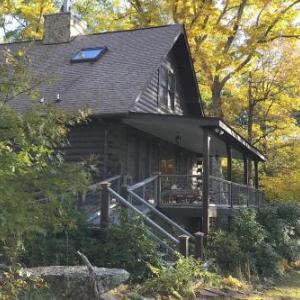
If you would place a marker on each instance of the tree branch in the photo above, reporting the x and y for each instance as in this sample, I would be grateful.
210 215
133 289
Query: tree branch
236 26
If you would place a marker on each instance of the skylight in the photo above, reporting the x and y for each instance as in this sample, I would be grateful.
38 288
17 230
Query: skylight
88 54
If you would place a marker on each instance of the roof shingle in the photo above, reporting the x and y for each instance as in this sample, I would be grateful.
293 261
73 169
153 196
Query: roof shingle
108 86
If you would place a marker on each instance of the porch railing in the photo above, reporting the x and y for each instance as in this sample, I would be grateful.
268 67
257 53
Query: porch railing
226 193
147 189
180 190
186 190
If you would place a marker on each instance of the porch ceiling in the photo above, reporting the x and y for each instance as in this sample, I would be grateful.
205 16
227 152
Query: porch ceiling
190 130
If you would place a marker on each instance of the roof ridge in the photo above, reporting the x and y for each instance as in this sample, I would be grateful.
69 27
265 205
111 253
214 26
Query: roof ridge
134 29
98 33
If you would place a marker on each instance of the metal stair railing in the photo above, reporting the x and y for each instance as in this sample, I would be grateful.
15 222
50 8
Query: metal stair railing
158 233
170 236
159 214
144 197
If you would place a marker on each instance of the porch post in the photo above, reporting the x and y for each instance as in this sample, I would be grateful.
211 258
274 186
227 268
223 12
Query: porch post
229 171
256 180
246 176
184 245
105 204
246 170
205 181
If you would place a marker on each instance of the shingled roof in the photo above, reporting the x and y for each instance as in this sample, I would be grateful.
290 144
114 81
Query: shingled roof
108 86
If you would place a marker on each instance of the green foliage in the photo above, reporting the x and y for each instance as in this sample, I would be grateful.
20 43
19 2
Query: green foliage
282 221
59 247
179 280
233 250
31 169
259 243
126 245
267 260
225 249
15 283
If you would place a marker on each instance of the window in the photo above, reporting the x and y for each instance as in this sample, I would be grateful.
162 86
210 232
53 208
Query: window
171 90
167 88
88 54
163 86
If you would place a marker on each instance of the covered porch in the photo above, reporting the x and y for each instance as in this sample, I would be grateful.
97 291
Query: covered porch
206 187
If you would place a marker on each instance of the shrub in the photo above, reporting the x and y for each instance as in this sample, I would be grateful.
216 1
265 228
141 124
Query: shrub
233 251
125 245
267 260
262 244
224 248
232 282
17 283
282 222
60 247
179 280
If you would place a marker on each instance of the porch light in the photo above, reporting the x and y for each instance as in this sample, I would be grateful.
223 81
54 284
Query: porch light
178 139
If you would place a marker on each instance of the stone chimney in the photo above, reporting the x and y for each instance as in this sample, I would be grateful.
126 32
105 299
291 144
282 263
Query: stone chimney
61 27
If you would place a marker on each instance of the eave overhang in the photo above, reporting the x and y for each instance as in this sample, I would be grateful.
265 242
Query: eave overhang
190 130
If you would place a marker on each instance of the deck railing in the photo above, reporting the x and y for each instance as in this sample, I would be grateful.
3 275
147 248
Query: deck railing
186 190
226 193
147 189
180 190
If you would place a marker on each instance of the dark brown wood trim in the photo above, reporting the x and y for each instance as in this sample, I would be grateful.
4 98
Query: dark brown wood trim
256 179
205 182
246 169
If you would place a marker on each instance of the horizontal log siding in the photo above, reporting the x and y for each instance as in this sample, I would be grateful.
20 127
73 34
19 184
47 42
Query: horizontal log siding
149 99
117 148
85 140
106 140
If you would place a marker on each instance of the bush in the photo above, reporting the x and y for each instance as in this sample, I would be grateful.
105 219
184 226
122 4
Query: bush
233 251
259 244
267 260
125 245
232 282
224 248
282 222
180 280
59 247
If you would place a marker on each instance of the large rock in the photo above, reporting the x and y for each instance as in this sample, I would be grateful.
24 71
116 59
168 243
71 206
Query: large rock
73 282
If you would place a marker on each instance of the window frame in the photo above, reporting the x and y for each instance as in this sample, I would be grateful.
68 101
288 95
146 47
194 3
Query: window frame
171 91
166 92
102 49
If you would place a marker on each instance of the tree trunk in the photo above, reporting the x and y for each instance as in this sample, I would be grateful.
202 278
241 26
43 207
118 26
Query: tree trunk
216 90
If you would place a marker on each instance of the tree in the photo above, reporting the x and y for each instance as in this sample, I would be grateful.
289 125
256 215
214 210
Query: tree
225 36
23 19
244 52
38 189
266 99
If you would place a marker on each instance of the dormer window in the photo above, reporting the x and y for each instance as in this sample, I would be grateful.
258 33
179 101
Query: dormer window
88 54
167 88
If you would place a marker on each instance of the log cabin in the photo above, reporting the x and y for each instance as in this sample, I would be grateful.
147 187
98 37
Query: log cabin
148 121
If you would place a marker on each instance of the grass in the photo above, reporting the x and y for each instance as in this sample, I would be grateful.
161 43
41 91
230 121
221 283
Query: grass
287 289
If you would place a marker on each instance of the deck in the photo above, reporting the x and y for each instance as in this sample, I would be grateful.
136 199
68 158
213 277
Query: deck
182 195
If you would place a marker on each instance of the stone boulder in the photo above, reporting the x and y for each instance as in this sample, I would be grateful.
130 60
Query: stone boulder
74 282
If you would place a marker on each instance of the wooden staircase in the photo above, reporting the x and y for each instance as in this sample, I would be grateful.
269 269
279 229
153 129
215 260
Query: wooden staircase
141 200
